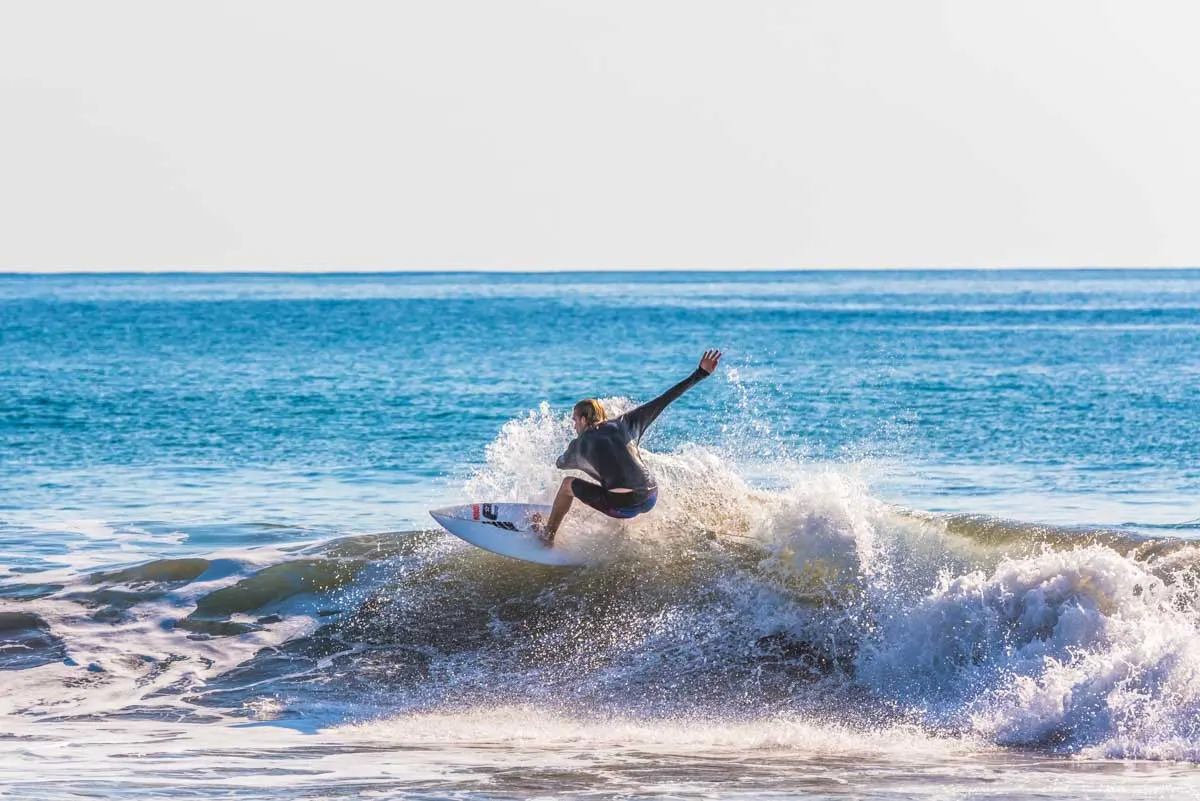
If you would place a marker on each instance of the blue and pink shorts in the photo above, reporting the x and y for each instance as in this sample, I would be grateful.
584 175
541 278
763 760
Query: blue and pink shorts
622 505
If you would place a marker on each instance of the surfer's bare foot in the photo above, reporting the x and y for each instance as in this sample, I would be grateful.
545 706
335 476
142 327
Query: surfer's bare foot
537 523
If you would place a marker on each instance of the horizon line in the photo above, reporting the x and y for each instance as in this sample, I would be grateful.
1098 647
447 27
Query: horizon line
582 271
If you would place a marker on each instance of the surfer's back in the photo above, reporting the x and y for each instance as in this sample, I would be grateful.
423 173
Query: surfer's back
608 452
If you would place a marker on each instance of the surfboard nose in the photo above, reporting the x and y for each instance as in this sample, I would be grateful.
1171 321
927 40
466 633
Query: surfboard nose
453 512
503 528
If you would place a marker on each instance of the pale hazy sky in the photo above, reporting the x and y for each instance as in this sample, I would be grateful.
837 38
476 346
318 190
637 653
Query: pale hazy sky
574 135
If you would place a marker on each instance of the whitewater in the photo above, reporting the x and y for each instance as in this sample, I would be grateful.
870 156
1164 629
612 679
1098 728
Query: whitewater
219 579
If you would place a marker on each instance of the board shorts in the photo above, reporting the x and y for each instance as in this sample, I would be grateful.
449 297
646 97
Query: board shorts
622 505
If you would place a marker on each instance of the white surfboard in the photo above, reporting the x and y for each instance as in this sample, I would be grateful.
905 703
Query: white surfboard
504 528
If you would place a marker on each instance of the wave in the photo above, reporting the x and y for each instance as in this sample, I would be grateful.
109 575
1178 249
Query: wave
729 603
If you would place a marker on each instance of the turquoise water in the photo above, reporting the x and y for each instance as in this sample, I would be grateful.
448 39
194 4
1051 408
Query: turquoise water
950 511
1047 382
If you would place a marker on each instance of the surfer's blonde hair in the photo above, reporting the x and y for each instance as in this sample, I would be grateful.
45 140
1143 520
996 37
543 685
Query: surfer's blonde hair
591 411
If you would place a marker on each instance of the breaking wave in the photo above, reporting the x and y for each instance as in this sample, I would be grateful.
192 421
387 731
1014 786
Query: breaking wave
730 602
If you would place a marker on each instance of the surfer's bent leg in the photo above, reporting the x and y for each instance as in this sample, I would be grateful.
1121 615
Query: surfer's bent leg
562 502
591 494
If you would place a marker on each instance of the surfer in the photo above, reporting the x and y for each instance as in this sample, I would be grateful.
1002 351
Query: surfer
607 450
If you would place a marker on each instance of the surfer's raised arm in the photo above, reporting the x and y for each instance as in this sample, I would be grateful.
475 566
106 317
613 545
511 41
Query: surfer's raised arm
640 418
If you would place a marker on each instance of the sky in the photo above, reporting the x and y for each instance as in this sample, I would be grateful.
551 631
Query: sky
520 135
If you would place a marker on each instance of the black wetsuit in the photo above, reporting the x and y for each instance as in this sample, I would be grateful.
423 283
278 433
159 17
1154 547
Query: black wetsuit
608 452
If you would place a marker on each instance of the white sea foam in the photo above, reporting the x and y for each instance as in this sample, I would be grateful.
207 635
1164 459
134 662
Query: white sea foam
1083 649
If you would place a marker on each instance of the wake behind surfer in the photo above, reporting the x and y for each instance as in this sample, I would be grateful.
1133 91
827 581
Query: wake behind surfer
607 450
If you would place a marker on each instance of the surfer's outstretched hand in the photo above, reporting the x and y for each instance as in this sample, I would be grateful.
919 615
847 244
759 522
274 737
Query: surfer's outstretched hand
708 362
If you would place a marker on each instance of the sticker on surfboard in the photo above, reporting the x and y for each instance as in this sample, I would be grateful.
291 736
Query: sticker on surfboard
504 528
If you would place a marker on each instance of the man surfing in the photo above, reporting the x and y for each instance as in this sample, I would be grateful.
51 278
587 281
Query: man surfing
607 450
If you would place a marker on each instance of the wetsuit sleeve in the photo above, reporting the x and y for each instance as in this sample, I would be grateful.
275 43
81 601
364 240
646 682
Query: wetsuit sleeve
640 418
568 459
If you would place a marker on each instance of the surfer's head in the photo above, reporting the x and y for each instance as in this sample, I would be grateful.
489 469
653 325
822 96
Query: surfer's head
586 414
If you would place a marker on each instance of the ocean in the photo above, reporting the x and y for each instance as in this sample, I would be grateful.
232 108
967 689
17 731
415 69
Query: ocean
923 535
